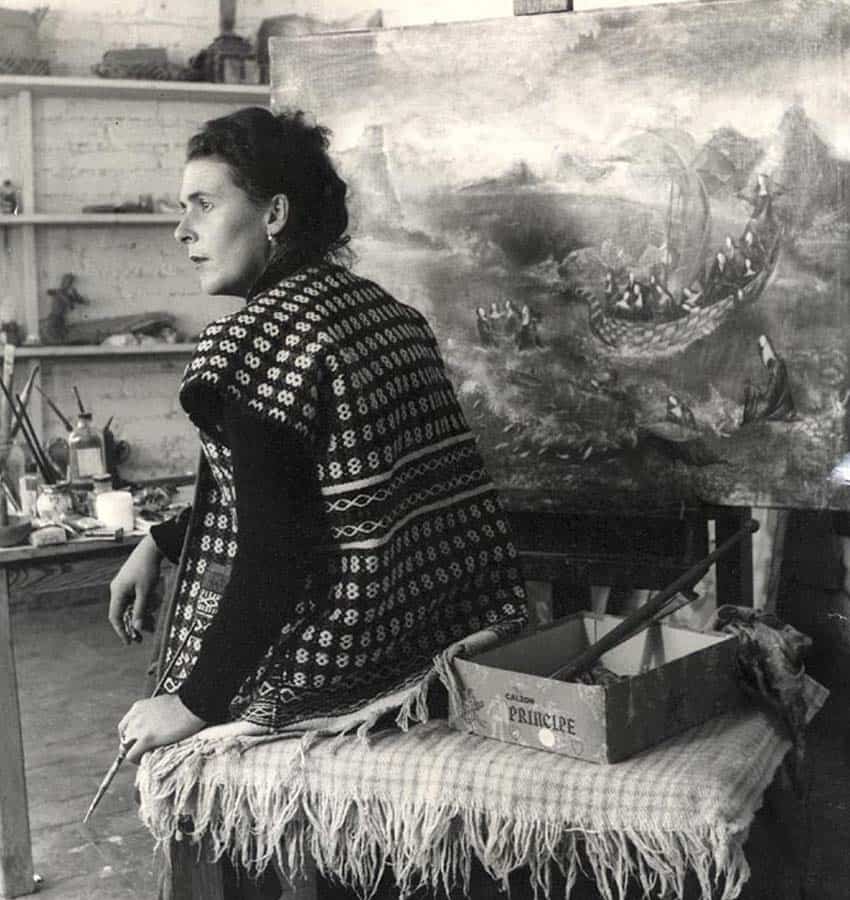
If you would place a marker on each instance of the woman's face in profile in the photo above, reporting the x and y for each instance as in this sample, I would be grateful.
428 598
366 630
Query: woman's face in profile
222 229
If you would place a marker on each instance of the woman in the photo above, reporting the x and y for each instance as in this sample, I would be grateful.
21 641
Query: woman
369 535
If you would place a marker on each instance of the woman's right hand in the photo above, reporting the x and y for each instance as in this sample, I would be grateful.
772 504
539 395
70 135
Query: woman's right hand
131 588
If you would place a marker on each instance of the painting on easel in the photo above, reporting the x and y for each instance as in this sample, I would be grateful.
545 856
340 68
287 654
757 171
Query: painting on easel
630 231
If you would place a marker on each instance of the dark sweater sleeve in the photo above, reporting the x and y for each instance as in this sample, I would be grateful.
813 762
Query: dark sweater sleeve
169 535
278 513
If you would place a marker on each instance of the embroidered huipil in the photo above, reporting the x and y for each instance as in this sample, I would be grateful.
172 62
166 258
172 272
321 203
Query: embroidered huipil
414 551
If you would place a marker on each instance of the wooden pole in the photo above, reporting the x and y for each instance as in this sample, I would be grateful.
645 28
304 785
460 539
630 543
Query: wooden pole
646 613
6 423
16 870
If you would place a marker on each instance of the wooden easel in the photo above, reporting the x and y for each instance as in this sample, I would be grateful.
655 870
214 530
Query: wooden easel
636 549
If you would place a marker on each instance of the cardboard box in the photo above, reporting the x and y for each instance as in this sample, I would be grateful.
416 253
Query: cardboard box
677 679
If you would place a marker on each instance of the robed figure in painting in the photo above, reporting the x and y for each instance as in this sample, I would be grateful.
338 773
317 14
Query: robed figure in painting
774 402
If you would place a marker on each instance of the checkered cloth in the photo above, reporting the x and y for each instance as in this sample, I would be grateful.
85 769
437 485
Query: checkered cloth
427 800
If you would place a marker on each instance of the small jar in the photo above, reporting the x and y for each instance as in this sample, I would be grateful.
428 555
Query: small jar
101 484
54 500
85 451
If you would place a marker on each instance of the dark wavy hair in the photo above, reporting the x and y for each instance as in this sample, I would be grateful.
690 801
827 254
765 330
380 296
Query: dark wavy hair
282 153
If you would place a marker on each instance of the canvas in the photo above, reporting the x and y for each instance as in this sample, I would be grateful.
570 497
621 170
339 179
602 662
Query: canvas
629 230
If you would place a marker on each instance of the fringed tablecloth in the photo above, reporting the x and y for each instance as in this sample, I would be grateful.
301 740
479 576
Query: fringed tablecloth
427 800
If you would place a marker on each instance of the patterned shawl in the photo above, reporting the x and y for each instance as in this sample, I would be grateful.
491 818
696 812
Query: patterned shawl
417 552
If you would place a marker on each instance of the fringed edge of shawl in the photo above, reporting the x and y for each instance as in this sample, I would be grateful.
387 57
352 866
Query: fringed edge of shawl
426 843
432 843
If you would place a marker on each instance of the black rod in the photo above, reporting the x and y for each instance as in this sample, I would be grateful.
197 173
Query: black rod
633 623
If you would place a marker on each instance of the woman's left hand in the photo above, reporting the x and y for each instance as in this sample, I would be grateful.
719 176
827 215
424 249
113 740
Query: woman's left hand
155 722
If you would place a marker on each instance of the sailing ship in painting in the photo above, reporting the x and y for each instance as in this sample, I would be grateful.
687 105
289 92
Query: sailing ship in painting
684 363
657 319
606 343
680 298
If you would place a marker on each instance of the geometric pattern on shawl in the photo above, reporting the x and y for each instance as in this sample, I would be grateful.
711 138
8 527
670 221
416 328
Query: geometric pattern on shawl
415 551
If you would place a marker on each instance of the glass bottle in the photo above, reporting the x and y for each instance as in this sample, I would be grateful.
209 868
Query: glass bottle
54 500
85 450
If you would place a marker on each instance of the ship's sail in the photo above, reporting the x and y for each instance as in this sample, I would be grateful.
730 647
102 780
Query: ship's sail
666 154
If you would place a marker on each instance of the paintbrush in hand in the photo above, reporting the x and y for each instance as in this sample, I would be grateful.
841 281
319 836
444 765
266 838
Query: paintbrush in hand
124 747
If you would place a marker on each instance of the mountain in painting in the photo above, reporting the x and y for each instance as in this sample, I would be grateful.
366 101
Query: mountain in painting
809 180
726 160
519 175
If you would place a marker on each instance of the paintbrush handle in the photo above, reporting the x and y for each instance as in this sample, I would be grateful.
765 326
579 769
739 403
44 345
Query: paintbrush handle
80 406
108 778
641 617
25 394
44 464
33 445
58 412
124 749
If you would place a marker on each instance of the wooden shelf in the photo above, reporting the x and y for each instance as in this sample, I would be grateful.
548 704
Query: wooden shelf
57 351
20 98
91 219
125 88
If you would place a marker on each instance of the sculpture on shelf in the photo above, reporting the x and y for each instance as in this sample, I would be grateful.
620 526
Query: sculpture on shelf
147 63
10 204
229 59
54 328
10 332
144 204
19 47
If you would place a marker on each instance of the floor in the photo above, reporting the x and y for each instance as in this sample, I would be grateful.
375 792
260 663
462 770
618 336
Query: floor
76 681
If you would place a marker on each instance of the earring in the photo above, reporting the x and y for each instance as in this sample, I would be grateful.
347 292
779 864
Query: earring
270 237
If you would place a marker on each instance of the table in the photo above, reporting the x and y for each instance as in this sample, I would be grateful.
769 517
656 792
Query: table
74 566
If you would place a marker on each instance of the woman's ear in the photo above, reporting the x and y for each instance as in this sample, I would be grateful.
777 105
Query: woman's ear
277 215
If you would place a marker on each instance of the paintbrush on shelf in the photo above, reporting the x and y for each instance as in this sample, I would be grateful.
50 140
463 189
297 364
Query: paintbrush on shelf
80 406
34 447
56 411
25 395
47 469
